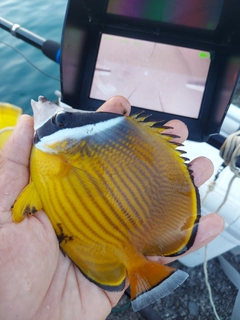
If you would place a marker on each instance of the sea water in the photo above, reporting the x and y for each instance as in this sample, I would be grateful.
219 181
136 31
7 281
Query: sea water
19 81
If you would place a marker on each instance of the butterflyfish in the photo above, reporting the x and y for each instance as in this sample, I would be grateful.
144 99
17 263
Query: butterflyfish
116 190
9 115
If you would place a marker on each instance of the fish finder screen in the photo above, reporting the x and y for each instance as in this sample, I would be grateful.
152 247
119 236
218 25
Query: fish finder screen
153 76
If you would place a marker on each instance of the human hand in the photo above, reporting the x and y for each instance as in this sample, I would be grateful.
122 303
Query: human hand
37 281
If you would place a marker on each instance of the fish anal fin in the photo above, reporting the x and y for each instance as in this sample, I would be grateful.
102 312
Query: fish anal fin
109 277
27 203
114 287
153 281
107 272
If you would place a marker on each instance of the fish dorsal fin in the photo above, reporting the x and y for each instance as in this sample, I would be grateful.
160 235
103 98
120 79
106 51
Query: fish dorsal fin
27 203
158 128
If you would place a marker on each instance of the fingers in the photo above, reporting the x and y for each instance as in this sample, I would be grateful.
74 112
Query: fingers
14 161
117 104
18 146
114 297
209 228
202 167
178 128
202 170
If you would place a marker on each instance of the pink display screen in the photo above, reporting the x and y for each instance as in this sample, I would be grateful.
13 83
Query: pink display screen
151 75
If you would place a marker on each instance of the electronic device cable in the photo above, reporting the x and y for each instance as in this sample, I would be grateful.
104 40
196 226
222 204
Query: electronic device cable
230 152
28 61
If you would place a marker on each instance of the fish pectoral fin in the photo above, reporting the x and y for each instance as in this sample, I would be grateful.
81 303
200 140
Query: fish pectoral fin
89 180
152 281
27 203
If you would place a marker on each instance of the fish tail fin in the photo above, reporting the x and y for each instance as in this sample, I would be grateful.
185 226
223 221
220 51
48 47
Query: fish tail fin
152 281
27 203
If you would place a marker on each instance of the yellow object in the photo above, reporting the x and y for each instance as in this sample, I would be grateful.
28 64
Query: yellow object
9 115
116 190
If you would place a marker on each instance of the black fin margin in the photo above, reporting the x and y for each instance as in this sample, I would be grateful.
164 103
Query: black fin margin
196 222
110 288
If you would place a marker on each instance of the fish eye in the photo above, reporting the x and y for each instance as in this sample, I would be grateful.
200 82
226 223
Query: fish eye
61 119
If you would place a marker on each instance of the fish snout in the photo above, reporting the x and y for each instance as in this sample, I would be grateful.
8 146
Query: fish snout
42 99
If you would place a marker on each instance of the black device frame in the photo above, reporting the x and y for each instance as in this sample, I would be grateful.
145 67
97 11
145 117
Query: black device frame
87 20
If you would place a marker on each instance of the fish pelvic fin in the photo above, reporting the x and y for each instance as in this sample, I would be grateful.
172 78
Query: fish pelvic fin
27 203
153 281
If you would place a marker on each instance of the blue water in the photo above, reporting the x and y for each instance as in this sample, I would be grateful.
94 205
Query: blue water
20 82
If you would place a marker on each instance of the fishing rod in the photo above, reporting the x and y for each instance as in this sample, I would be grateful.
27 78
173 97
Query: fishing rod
50 48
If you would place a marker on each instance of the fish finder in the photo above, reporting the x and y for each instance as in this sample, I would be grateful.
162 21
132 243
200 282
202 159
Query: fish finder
173 59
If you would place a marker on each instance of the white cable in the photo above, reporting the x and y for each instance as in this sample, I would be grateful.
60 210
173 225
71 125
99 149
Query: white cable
230 151
208 284
29 61
226 194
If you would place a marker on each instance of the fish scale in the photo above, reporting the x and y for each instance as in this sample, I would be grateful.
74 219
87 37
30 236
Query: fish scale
115 190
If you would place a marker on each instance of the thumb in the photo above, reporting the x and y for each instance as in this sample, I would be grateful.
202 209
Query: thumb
14 163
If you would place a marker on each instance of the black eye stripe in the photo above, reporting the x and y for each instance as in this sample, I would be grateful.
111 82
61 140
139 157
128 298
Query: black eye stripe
75 119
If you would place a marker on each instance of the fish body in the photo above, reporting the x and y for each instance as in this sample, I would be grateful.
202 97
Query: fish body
115 190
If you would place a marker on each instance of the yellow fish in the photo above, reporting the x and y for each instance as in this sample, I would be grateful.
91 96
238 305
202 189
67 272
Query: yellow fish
116 190
9 115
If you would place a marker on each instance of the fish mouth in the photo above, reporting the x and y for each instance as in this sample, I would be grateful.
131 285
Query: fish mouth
42 99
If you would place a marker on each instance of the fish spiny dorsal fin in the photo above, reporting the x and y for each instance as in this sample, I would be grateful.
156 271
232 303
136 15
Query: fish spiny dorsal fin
143 118
159 128
155 126
176 145
136 115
